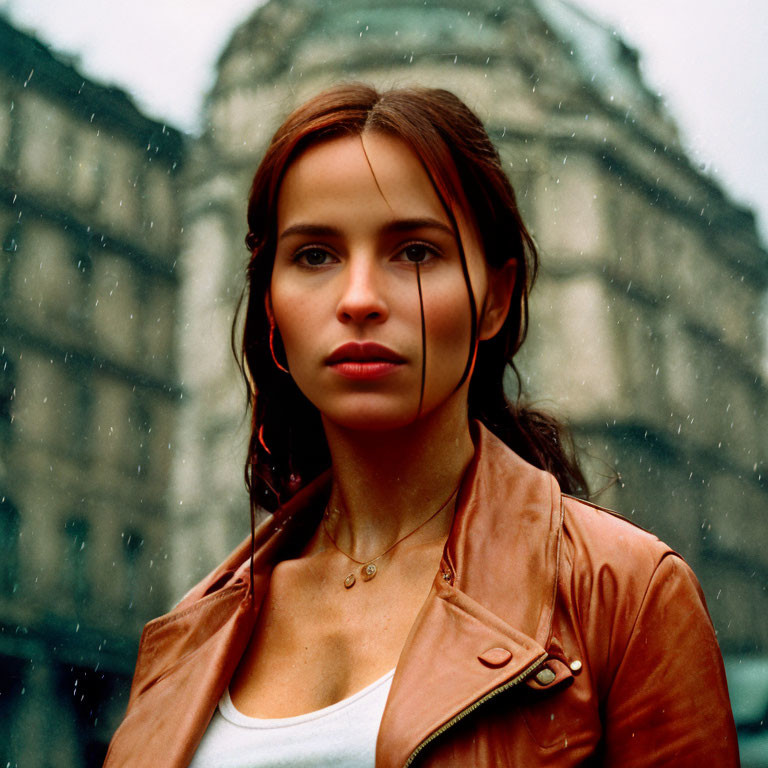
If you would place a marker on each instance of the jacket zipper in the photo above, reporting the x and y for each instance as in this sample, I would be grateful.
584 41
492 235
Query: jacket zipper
472 707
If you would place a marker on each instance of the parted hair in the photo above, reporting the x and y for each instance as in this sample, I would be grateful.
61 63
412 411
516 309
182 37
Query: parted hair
287 446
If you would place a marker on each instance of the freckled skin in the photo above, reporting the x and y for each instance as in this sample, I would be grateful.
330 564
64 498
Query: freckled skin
344 272
367 290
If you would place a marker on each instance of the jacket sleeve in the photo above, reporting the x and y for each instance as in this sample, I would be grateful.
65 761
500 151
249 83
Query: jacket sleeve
668 702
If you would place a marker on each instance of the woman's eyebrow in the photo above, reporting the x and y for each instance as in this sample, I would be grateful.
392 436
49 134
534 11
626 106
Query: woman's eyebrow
405 225
311 230
397 225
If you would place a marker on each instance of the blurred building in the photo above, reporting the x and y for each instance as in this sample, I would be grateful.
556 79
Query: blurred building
88 394
645 323
646 319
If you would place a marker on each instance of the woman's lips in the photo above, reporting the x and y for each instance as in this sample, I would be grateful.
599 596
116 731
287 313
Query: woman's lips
364 360
365 370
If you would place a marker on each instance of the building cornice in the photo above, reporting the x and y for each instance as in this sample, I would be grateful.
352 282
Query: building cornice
153 261
32 64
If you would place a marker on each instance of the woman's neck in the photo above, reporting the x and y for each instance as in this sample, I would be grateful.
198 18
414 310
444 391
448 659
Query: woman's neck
387 483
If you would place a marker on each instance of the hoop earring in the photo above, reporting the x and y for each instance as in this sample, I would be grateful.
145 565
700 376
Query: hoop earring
261 439
272 346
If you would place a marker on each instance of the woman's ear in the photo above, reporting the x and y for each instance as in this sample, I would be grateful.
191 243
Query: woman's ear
501 283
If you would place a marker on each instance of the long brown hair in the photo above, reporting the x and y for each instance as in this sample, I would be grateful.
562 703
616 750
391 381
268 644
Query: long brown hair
287 445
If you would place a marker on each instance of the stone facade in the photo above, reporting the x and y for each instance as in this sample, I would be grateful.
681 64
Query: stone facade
88 394
645 323
645 327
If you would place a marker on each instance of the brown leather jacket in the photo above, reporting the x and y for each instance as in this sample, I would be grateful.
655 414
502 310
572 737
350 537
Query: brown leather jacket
556 634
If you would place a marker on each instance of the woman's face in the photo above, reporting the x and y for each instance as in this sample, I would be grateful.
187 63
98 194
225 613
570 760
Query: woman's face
355 215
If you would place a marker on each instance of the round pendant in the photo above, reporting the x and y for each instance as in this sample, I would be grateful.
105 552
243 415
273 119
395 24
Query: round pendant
349 582
368 571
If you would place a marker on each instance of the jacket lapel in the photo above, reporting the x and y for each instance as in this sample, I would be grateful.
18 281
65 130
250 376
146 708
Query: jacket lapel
458 653
486 620
488 616
187 657
169 713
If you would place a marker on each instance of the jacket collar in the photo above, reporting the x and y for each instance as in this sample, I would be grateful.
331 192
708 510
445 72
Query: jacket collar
486 620
488 617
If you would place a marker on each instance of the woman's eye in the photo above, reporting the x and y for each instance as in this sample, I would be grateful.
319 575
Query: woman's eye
313 257
417 253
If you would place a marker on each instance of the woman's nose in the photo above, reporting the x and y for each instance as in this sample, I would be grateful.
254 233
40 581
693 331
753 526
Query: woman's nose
362 299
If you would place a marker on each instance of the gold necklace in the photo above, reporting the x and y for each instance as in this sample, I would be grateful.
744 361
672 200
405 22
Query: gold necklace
368 567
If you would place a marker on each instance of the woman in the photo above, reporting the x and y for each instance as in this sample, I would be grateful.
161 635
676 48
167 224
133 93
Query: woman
424 592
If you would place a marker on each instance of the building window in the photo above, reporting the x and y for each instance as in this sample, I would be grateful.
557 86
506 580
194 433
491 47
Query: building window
87 695
76 533
11 701
7 388
11 239
143 437
132 546
79 311
82 407
9 547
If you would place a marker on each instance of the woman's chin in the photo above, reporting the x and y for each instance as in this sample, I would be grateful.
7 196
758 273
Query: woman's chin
371 413
371 419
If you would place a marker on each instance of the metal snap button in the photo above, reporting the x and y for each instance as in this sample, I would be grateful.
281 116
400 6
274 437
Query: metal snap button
545 676
575 666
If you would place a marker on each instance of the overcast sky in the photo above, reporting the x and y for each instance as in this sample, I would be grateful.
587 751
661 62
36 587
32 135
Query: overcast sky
707 58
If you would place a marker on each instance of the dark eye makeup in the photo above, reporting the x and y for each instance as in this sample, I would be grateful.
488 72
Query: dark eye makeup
412 253
312 256
419 253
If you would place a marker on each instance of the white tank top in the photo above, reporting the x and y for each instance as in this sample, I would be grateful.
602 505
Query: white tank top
340 736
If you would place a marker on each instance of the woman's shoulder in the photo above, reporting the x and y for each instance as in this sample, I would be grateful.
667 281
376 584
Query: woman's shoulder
632 596
607 556
606 536
276 531
229 572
